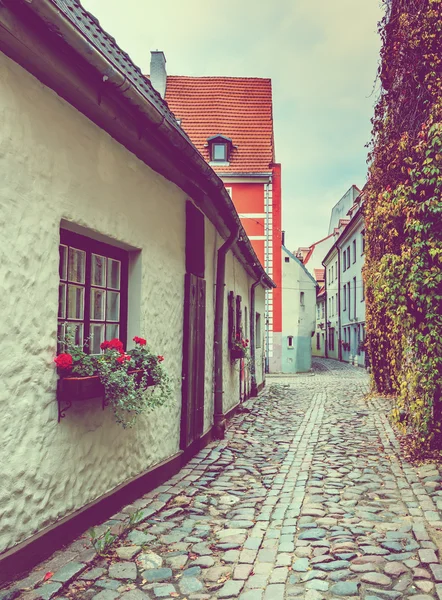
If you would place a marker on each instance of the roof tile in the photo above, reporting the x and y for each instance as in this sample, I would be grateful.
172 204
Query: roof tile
236 107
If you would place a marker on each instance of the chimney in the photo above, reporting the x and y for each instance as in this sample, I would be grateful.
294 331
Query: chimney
158 75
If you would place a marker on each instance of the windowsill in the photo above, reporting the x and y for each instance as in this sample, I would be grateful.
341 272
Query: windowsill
219 163
290 347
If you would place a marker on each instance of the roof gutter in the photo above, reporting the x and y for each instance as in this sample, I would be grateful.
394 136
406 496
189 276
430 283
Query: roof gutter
170 132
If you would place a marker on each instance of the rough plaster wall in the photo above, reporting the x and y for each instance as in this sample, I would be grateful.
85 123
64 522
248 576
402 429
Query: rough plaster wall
298 321
70 169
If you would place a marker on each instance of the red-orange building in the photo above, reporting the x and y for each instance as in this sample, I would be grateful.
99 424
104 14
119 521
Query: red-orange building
230 121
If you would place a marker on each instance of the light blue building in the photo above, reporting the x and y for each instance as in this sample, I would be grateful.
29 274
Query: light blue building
298 314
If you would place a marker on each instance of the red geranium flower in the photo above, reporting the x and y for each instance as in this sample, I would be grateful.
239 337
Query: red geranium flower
114 344
63 361
160 358
139 340
122 358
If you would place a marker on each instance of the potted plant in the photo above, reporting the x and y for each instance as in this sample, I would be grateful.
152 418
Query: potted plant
120 378
239 348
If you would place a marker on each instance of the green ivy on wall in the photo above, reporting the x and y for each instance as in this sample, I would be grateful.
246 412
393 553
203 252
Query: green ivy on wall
403 214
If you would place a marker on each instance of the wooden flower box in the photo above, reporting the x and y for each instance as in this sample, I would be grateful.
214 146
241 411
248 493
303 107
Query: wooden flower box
236 353
70 389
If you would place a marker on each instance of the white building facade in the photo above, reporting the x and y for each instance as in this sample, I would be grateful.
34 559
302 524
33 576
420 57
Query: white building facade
351 248
298 314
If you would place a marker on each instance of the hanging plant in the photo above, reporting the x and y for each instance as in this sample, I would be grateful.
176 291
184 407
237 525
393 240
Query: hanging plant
133 382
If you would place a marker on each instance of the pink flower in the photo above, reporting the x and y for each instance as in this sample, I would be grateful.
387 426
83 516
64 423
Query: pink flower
140 341
160 358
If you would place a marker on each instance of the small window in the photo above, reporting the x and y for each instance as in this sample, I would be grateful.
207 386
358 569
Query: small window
345 260
257 330
362 289
363 242
345 298
287 259
219 152
290 341
354 251
331 339
318 341
301 298
92 291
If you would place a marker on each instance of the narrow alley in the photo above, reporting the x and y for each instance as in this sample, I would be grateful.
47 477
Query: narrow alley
307 497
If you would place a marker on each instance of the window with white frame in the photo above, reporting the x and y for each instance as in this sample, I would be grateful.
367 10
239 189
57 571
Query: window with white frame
92 291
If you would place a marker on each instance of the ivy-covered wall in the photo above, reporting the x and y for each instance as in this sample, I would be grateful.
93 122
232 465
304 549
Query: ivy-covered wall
403 213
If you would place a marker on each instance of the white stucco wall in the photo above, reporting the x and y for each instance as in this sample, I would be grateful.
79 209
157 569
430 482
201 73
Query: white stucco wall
298 319
57 165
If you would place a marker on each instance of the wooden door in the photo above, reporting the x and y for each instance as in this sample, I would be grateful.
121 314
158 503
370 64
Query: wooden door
192 412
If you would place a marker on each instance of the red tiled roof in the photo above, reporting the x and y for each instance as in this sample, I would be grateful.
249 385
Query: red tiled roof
319 274
235 107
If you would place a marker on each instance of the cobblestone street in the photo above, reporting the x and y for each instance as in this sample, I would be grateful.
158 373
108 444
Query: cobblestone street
307 497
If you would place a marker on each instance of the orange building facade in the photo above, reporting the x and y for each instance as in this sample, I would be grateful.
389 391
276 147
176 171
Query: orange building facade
230 121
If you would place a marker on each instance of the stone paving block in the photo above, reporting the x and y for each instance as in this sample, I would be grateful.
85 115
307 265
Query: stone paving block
68 572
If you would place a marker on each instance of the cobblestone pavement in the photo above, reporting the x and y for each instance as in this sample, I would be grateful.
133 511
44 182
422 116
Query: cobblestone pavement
307 497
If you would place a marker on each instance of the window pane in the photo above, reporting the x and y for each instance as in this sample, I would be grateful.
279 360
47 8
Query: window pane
219 152
77 262
98 270
113 306
75 302
62 301
112 331
60 338
97 304
97 337
113 277
62 266
77 331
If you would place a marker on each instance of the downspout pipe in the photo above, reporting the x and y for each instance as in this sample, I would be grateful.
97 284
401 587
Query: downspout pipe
218 416
339 305
254 387
326 311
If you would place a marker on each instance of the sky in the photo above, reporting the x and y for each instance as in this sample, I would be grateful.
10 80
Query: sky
322 58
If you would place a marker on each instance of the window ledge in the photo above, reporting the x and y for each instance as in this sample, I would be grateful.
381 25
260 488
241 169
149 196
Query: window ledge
219 163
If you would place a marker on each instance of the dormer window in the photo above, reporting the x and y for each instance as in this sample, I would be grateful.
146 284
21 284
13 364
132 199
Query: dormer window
220 148
219 152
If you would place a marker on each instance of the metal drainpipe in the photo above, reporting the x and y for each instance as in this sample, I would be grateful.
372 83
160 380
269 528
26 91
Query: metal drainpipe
339 306
218 416
254 390
326 311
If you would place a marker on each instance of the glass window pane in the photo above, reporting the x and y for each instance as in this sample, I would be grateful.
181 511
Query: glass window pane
113 276
62 266
77 262
98 270
113 306
97 304
75 302
219 151
62 301
77 331
97 337
112 331
61 328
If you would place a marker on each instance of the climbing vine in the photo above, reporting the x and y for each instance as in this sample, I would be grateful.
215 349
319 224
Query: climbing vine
403 215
